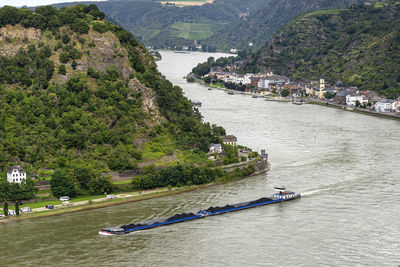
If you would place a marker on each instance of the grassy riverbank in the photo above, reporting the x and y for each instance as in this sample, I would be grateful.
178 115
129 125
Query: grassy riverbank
123 199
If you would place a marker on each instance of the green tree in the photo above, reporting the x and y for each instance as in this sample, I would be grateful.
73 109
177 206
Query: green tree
61 185
62 69
17 207
28 188
65 38
80 26
285 93
5 208
74 64
329 95
100 185
64 57
84 174
99 27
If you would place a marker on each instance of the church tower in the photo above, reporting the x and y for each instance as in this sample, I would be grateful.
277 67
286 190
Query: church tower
321 87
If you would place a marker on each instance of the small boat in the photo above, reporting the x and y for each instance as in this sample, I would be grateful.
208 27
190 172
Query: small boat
284 194
280 196
297 101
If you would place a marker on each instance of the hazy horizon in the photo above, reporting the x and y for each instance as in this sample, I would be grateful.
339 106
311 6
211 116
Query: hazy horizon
32 3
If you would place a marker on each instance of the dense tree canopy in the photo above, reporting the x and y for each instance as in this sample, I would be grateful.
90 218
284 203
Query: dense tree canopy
83 123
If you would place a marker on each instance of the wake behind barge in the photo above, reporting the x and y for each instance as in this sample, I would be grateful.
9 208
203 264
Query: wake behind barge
280 196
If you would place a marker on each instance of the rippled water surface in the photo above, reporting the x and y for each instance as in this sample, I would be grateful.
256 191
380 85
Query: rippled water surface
345 164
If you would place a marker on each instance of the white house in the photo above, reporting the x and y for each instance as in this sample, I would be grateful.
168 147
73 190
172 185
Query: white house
385 105
15 174
215 148
229 140
351 99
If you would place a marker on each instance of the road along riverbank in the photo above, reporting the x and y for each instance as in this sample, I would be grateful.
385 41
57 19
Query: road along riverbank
260 166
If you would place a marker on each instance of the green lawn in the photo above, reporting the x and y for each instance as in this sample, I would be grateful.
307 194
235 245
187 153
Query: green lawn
122 182
158 147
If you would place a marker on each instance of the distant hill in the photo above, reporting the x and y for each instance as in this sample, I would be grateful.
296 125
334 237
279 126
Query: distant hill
164 26
359 45
261 24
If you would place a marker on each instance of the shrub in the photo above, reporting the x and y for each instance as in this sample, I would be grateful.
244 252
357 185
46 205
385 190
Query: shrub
62 69
100 27
64 57
65 38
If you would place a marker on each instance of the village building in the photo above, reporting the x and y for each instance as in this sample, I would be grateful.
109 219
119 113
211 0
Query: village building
340 97
15 174
339 85
229 140
264 156
215 148
352 98
386 105
372 96
398 105
247 78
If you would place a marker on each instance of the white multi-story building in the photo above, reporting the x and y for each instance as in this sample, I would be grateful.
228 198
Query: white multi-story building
15 174
263 83
386 105
351 99
247 78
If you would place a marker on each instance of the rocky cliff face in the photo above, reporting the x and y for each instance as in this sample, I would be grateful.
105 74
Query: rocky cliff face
100 51
14 37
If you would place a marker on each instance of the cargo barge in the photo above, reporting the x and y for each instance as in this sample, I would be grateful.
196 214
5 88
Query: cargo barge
280 196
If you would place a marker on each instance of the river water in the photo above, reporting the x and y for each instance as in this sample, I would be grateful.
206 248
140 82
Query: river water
346 165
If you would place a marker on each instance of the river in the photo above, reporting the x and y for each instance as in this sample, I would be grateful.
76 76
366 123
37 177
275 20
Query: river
345 164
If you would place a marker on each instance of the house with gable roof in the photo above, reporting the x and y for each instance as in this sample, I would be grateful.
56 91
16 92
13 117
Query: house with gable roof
15 174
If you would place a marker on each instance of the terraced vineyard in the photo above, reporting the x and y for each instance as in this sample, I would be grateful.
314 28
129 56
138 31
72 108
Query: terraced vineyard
191 31
182 3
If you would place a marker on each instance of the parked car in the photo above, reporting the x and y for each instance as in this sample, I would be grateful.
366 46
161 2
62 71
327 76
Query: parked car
26 209
66 203
50 207
64 198
111 196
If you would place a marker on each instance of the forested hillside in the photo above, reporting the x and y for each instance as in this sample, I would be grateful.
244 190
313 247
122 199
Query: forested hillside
170 26
359 45
261 24
81 94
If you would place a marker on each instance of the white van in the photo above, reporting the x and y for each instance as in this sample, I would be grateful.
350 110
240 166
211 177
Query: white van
26 209
111 196
64 198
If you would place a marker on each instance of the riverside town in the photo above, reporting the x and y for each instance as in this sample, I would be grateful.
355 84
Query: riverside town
283 89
